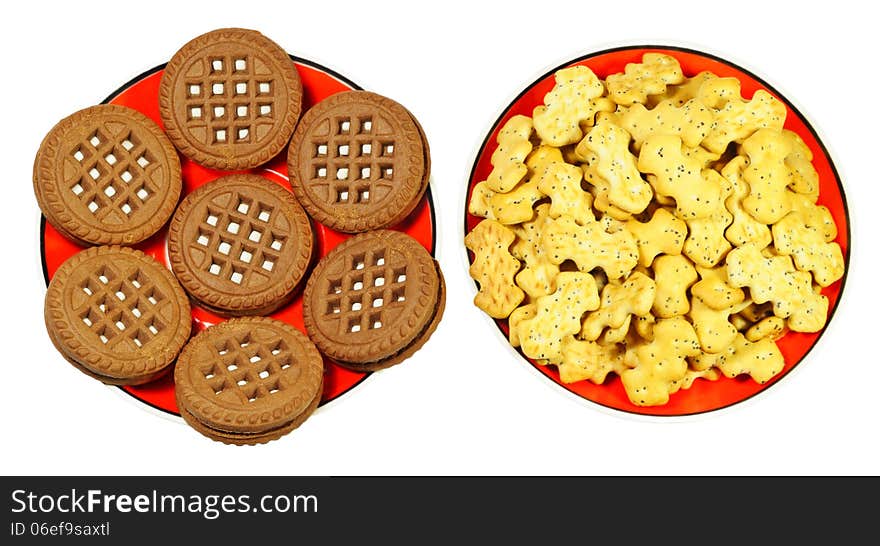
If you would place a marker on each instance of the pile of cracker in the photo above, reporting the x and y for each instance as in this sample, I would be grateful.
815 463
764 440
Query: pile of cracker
654 226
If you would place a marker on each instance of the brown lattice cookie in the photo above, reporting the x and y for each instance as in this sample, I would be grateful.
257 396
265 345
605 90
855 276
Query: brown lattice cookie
358 161
372 301
248 380
107 175
230 99
240 245
117 314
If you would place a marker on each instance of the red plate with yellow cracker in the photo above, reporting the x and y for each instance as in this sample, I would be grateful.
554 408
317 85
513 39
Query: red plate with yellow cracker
142 94
693 395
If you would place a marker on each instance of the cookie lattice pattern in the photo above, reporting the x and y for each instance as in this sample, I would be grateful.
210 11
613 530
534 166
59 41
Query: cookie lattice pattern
231 104
112 174
369 294
123 310
353 165
242 245
246 368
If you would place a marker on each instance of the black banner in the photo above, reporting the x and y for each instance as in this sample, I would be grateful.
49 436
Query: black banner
116 510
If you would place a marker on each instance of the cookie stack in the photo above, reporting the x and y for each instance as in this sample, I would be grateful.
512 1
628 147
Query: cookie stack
241 246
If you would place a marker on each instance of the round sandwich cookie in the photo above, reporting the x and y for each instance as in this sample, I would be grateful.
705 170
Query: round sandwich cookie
107 175
230 99
374 300
117 314
358 161
240 245
248 380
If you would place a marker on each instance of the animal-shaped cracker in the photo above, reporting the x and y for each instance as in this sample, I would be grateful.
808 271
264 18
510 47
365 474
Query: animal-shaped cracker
743 229
516 205
770 328
690 122
657 368
767 175
509 157
735 118
480 203
644 326
558 315
616 167
775 279
538 276
806 234
683 92
493 268
572 102
802 175
588 360
714 289
760 359
562 183
638 80
673 275
697 192
706 245
521 313
619 301
713 326
663 234
591 246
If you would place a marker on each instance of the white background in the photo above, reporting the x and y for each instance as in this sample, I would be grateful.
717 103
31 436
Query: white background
461 405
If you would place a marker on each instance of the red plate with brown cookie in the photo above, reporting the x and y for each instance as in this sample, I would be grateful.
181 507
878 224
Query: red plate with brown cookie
318 83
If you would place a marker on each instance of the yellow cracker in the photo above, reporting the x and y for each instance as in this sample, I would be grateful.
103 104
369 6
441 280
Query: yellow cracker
735 118
572 102
775 279
619 301
516 205
618 334
690 122
538 276
681 93
521 313
673 275
714 289
509 157
663 234
588 360
481 201
767 175
616 167
562 183
638 80
705 244
713 326
600 188
697 192
644 326
743 229
802 175
761 359
493 268
558 315
770 328
591 246
756 312
740 322
804 234
658 368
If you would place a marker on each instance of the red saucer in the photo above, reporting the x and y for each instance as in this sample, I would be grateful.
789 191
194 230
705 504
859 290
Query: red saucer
142 94
703 396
